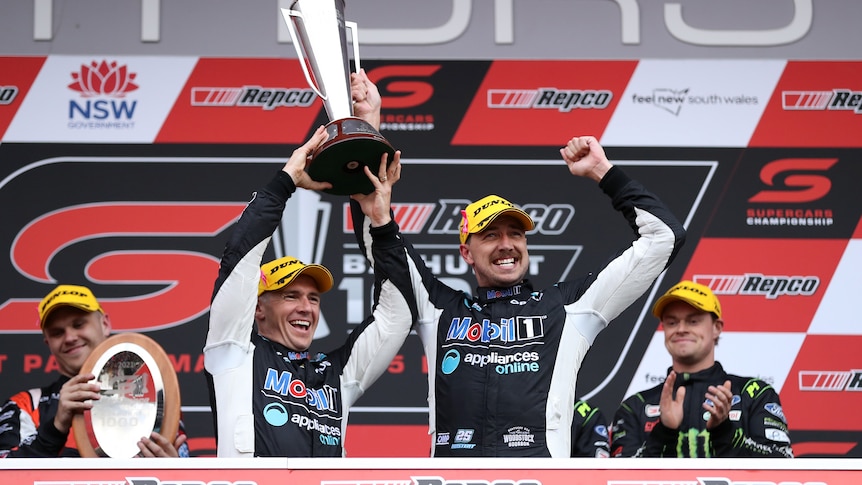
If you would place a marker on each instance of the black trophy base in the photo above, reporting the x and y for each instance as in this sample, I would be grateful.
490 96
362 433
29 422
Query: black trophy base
352 145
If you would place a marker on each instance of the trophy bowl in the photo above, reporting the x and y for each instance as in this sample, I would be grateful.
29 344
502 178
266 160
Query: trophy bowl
352 144
139 395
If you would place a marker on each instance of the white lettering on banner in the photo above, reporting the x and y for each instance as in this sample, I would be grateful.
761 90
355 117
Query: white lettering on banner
150 25
706 481
43 19
441 481
43 23
504 26
142 481
795 30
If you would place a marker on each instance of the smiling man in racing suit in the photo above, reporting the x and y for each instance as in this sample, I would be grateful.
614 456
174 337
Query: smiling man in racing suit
37 423
503 365
700 411
270 395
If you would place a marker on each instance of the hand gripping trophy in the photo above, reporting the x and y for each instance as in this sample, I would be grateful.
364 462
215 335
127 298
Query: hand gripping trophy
318 31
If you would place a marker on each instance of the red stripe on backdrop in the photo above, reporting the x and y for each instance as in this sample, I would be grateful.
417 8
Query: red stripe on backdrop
370 441
815 104
16 76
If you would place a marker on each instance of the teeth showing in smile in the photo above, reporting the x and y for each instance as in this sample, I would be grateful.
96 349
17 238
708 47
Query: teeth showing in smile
300 323
505 261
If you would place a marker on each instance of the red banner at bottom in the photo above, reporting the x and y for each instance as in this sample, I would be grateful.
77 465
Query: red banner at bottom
395 471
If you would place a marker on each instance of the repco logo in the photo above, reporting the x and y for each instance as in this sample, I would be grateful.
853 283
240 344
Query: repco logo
791 185
445 217
567 100
156 481
403 86
8 94
549 219
756 284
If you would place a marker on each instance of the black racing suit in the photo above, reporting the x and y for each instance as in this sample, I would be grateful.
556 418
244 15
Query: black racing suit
272 401
27 426
756 426
590 435
503 365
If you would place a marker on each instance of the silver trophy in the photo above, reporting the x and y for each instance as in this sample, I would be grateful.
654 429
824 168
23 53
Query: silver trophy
318 31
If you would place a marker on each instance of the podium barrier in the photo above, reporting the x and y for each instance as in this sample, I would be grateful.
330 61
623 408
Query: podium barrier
428 471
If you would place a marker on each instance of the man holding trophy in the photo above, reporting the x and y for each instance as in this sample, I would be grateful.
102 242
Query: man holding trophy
271 395
37 423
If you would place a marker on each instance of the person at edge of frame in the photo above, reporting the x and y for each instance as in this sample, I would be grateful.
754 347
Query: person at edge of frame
37 423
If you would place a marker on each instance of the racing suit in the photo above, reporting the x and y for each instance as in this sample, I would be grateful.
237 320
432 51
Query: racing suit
590 435
27 426
270 400
756 426
503 365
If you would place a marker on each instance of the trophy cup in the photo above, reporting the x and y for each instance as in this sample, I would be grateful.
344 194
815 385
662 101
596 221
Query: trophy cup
139 394
318 31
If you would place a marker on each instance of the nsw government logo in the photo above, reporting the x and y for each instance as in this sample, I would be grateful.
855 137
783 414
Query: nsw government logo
102 87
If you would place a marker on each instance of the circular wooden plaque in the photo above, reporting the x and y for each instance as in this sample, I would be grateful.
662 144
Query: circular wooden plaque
139 394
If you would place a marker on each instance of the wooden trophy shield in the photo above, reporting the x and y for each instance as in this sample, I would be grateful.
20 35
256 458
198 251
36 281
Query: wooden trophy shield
139 394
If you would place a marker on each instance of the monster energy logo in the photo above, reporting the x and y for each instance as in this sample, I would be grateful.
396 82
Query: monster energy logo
694 443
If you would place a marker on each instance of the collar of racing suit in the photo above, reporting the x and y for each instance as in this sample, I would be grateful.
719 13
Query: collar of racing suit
292 355
706 375
520 291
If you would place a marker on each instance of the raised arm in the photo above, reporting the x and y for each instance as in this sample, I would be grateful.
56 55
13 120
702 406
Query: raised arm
371 347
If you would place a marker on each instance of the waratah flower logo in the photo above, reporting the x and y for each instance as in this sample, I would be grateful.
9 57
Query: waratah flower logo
103 79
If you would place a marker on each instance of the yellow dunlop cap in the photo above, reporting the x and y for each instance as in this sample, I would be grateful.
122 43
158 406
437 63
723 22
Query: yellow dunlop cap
67 295
281 272
482 212
695 294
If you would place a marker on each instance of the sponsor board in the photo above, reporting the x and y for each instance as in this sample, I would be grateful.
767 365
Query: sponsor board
529 103
790 193
242 101
80 99
692 103
815 104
